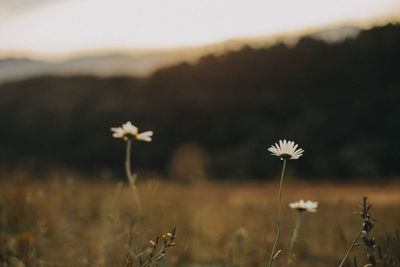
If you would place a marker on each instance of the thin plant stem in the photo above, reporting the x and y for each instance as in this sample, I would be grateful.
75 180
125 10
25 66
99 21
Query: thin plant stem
294 237
128 160
278 223
132 177
351 247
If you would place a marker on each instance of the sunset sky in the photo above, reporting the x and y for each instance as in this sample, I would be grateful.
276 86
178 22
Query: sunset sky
54 27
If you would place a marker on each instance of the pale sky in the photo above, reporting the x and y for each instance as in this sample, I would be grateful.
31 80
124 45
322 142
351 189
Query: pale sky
53 27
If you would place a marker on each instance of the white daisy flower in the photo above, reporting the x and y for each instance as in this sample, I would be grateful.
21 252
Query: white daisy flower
128 130
124 131
286 150
304 206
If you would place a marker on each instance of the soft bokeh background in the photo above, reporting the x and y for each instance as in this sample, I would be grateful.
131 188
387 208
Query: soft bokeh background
338 100
218 82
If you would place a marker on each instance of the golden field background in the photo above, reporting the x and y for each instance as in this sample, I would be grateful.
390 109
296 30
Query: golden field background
65 221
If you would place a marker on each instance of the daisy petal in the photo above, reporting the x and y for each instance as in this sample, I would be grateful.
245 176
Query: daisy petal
145 136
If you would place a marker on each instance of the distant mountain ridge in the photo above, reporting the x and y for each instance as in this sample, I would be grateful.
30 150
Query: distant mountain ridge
142 64
102 65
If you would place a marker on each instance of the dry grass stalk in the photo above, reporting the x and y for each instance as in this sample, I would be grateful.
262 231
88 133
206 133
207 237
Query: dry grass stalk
368 241
150 256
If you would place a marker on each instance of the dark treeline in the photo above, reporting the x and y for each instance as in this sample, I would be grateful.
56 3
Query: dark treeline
340 102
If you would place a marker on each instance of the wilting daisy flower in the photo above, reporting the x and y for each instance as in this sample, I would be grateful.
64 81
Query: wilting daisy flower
304 206
286 150
128 131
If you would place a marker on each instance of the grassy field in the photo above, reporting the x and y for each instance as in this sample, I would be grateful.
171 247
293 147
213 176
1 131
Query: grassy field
68 222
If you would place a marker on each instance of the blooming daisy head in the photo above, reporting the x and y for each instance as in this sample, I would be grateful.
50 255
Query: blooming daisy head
129 131
304 206
286 150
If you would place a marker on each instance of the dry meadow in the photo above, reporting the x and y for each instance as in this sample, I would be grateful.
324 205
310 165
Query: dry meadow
66 221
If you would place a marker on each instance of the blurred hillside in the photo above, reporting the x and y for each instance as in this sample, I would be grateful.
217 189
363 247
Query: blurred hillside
138 63
339 101
144 62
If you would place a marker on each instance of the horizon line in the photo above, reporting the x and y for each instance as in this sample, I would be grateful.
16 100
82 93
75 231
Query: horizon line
216 45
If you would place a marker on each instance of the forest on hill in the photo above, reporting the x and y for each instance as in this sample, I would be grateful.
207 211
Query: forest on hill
339 101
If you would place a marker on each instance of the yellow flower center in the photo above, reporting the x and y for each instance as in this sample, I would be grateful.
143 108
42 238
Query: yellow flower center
128 136
285 156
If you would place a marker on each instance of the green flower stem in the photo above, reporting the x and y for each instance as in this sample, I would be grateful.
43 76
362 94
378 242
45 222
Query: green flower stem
279 215
132 177
294 237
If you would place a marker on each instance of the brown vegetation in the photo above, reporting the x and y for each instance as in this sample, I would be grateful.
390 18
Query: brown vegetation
67 222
